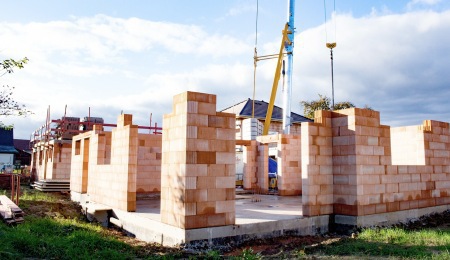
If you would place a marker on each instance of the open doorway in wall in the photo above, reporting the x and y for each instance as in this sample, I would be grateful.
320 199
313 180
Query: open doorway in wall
240 166
85 166
273 175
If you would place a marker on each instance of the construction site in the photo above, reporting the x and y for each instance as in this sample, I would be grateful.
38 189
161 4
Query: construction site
179 187
252 170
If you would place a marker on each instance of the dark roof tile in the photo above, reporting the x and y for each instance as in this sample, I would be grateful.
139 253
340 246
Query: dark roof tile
244 109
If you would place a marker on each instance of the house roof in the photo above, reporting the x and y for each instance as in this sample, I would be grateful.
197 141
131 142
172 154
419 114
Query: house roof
22 144
244 109
6 141
7 149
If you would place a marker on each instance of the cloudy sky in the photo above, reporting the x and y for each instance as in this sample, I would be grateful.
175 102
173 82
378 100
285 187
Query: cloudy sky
134 56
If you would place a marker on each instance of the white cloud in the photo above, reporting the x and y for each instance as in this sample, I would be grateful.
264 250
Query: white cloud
103 38
392 62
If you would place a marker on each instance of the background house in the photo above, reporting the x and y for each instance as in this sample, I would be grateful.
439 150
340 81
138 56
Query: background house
23 156
243 110
7 150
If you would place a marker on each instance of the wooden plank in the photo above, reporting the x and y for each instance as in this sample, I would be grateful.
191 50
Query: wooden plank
9 211
5 213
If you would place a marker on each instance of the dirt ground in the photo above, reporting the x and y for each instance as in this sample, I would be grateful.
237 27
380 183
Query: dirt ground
279 247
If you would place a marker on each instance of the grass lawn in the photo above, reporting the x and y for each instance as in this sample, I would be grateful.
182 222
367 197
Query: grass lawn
54 228
428 243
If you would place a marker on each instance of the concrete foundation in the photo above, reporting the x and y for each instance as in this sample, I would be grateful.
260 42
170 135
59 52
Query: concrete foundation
387 219
272 216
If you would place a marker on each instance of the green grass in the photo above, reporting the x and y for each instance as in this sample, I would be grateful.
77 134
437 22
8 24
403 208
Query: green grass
66 235
61 239
393 242
49 232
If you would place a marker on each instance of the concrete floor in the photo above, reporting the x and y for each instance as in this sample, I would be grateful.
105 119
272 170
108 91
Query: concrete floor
249 208
257 216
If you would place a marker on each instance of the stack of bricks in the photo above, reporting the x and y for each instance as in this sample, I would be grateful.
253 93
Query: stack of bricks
289 165
198 164
149 163
317 166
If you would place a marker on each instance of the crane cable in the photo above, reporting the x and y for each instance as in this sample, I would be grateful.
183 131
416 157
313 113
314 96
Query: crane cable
255 56
330 45
326 20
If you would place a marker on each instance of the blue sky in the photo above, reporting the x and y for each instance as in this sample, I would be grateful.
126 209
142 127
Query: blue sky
134 56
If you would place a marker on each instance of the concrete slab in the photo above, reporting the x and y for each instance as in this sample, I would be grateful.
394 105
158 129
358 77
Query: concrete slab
386 219
271 216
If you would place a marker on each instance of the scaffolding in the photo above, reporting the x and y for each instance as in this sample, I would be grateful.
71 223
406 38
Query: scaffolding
67 127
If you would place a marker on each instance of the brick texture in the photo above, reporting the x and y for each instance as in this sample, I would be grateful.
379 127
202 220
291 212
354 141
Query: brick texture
198 163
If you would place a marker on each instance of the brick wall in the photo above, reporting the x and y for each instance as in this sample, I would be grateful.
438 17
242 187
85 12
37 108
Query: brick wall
366 178
198 164
289 165
317 166
250 165
255 159
51 160
149 163
288 151
113 166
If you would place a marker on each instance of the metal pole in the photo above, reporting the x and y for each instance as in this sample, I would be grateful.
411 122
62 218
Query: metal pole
332 79
289 47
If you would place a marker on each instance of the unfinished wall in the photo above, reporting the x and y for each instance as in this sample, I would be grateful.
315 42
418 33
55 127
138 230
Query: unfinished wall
288 151
289 165
198 164
149 163
364 180
277 127
255 160
51 160
317 166
105 165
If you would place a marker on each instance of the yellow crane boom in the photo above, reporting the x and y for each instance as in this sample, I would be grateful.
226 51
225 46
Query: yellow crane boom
276 79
